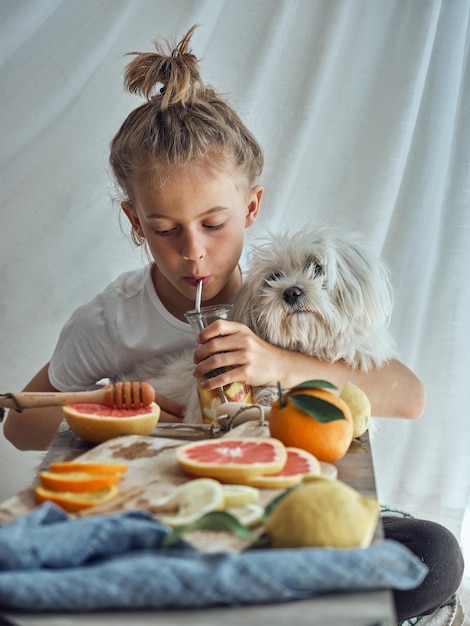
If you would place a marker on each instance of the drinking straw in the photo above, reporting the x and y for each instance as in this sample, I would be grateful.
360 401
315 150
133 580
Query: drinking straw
198 305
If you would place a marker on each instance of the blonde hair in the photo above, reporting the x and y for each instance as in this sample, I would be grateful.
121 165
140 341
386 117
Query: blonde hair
185 121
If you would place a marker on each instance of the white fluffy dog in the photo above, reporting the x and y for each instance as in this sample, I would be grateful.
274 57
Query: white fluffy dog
322 293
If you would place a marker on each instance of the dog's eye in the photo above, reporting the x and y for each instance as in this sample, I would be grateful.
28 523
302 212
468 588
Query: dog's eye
274 276
314 267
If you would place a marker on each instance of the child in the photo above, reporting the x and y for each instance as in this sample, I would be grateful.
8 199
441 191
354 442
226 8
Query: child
188 169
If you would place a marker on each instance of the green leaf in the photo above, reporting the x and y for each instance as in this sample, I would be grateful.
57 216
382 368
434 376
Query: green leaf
215 520
311 384
275 501
319 409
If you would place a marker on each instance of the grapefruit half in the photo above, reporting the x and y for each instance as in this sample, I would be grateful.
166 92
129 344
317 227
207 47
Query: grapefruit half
232 460
97 423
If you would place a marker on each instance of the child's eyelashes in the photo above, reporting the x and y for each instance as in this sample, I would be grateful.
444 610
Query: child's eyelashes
214 226
166 232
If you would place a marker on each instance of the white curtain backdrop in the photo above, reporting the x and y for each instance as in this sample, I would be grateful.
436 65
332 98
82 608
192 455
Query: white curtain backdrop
363 110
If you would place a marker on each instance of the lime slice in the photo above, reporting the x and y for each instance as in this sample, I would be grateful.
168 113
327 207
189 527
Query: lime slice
239 495
193 500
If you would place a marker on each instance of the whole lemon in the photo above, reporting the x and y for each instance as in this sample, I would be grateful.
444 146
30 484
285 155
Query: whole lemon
323 512
359 406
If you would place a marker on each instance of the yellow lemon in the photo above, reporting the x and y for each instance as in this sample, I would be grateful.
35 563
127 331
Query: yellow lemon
323 512
359 406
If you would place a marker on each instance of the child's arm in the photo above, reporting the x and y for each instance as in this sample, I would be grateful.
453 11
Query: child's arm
393 389
34 429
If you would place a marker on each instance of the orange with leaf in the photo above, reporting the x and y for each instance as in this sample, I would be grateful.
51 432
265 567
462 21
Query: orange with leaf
311 417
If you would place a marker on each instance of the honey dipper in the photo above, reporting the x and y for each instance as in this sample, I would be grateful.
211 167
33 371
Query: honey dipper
127 395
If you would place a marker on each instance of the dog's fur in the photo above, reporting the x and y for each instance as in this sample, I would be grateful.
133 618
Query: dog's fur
322 293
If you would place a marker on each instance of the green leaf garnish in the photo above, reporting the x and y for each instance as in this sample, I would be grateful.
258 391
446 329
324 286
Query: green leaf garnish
275 501
319 409
215 520
309 384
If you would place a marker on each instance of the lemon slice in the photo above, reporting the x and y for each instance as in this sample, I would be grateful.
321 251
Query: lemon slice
193 499
239 495
248 515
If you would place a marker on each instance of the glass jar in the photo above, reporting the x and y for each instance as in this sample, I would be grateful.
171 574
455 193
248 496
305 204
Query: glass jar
210 400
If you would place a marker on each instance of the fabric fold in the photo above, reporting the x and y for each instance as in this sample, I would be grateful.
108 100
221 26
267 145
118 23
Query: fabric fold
51 562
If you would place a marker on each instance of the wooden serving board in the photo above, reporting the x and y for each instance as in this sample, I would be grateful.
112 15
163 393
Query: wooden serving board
152 464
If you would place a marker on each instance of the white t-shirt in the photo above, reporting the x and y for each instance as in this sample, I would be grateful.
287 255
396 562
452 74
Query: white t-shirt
123 325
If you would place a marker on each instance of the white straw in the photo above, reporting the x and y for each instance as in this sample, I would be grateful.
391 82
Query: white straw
198 296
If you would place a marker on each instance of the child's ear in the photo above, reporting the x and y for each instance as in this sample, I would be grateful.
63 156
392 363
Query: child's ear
132 217
252 209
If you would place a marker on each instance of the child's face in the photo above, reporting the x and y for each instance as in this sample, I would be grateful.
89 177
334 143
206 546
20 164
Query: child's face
194 228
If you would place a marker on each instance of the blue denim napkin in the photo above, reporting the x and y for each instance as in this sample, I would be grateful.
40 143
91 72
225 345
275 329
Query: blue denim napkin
51 562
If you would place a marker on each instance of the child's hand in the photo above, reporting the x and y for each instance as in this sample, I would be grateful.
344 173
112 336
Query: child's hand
232 345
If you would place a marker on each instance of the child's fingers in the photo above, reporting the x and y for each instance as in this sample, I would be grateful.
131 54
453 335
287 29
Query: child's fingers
219 328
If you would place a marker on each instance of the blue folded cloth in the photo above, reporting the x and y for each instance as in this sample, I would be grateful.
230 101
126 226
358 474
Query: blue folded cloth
52 562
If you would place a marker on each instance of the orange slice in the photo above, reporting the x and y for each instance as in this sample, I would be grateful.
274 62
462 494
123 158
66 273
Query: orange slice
299 463
77 482
99 467
232 460
72 502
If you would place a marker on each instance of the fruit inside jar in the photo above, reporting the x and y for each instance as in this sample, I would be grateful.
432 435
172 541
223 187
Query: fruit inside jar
210 400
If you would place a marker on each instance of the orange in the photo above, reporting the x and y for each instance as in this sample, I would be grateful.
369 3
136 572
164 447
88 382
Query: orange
232 460
97 422
77 482
72 502
327 441
92 467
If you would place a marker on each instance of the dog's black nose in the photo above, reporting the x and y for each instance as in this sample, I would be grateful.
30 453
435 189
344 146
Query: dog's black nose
292 294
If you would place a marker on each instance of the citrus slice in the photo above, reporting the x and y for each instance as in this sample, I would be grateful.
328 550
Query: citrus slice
232 460
239 495
248 515
77 482
299 463
72 502
97 423
101 467
192 499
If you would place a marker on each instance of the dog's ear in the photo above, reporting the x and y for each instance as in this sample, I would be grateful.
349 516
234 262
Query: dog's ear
361 284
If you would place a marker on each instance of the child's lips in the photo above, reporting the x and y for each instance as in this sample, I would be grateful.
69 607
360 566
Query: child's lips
194 280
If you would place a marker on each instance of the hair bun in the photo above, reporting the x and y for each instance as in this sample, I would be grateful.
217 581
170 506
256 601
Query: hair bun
176 68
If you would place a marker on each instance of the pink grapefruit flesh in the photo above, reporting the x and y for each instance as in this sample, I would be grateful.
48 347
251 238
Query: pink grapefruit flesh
299 462
232 460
